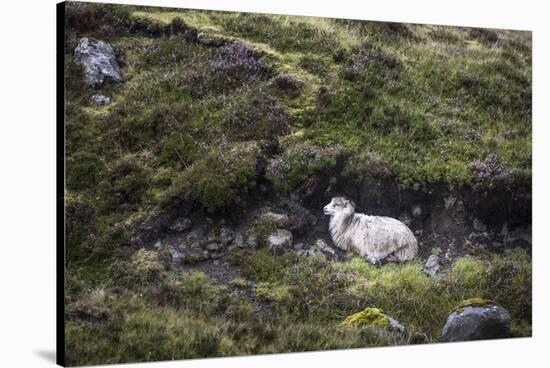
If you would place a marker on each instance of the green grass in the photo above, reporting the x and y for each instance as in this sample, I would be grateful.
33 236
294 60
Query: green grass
164 315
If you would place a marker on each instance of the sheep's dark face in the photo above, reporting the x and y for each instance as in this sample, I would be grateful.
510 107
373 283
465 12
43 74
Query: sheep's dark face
339 206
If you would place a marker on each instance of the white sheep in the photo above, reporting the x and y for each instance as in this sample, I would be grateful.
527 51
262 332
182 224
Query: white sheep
377 238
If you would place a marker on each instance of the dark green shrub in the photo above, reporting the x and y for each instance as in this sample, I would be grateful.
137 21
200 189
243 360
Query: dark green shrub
219 180
257 117
124 185
83 171
101 20
298 162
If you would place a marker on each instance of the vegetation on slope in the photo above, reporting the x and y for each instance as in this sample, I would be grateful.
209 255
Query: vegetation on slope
207 95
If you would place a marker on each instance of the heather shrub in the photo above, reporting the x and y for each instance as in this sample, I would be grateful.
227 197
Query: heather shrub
124 185
83 170
256 116
219 180
291 169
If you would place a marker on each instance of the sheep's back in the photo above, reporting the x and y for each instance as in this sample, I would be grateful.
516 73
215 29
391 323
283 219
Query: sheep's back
381 236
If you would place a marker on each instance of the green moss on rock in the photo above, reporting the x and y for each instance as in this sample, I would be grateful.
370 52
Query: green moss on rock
473 302
367 318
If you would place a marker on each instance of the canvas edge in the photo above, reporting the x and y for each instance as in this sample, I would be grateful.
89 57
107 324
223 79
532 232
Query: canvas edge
60 184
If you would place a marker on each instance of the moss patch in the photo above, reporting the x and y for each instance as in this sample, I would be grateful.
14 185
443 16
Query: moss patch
367 317
473 302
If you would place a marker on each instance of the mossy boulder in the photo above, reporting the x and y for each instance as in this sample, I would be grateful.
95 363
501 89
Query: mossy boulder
476 319
372 317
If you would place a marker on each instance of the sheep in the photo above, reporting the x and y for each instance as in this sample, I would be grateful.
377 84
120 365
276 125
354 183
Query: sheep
377 238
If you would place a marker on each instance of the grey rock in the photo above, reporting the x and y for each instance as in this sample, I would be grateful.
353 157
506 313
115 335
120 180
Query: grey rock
196 235
226 235
477 323
395 325
300 252
99 61
174 253
298 246
195 245
417 211
100 100
432 265
279 240
324 247
181 224
315 253
239 240
212 247
158 244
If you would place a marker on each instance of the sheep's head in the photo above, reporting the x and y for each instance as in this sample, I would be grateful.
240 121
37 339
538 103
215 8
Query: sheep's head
339 206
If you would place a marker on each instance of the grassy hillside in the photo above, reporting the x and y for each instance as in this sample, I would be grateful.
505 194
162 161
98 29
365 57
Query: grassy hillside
206 96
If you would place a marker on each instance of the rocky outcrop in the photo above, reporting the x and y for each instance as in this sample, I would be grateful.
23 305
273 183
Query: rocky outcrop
99 61
476 319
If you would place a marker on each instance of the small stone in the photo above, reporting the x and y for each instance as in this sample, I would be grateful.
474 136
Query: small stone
432 265
180 225
226 235
417 211
213 247
298 246
195 245
174 253
100 100
239 240
279 240
324 247
157 244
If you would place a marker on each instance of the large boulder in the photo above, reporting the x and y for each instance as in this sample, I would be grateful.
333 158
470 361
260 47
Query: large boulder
99 61
476 319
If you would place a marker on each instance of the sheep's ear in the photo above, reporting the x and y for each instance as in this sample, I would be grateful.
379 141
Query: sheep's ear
352 203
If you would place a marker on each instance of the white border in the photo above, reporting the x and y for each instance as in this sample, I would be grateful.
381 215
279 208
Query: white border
27 144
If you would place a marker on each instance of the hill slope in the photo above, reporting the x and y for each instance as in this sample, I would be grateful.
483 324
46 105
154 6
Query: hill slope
223 114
